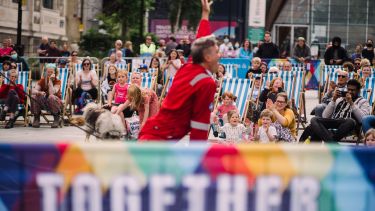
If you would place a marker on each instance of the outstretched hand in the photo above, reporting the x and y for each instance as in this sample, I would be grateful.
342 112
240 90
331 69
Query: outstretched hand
206 8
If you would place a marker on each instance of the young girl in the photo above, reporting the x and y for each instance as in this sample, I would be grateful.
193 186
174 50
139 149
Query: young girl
110 80
120 91
173 63
228 105
235 131
266 133
370 137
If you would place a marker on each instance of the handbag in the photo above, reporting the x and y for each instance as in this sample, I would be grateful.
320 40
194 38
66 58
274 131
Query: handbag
283 133
133 126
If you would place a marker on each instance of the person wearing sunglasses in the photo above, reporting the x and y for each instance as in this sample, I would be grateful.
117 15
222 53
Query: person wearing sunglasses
86 83
342 80
148 48
343 113
357 64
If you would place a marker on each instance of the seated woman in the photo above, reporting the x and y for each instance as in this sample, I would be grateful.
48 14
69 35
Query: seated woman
366 73
285 121
147 108
11 95
47 96
270 91
109 81
86 82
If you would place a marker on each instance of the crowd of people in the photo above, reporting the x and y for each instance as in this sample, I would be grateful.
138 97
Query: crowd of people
189 106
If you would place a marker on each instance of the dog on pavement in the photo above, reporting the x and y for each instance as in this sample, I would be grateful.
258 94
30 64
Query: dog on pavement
101 122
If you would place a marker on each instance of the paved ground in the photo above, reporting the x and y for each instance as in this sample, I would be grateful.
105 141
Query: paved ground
73 134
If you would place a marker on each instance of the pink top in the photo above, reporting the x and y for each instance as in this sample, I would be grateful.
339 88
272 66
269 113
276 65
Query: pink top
120 93
153 106
223 109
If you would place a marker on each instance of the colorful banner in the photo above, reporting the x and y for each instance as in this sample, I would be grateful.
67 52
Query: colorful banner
313 68
143 177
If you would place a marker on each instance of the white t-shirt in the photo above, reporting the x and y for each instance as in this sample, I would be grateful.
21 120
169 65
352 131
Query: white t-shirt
234 133
86 79
263 138
171 71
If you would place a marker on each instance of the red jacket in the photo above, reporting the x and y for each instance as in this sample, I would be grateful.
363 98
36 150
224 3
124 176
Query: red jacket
5 88
188 104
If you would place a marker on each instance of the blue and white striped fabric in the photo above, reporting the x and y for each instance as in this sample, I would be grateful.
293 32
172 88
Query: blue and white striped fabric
231 70
368 90
1 66
78 67
240 88
63 76
298 69
147 82
121 66
170 82
268 77
326 70
293 83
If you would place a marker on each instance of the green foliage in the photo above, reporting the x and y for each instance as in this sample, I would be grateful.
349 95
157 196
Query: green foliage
180 10
96 44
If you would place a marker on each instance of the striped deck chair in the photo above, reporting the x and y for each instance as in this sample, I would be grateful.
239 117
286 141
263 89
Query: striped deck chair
167 86
241 89
323 77
147 82
368 92
65 95
231 70
121 66
268 77
24 78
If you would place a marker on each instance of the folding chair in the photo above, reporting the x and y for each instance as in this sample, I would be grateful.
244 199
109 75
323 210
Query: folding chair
241 89
167 86
65 96
323 78
147 82
24 78
368 92
231 70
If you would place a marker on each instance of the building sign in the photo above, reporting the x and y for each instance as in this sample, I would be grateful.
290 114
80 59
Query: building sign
257 19
162 29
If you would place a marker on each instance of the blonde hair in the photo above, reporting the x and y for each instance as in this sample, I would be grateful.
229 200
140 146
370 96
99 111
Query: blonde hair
273 81
266 113
122 72
370 132
136 94
256 59
365 62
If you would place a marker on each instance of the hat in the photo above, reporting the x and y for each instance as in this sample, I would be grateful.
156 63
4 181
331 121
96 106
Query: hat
180 50
301 38
143 66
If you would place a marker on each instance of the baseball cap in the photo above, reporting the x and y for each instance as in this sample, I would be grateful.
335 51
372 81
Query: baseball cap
143 66
62 61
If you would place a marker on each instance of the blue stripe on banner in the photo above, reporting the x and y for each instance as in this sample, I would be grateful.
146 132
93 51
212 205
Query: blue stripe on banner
63 76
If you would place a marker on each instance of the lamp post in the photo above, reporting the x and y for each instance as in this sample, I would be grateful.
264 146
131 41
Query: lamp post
19 46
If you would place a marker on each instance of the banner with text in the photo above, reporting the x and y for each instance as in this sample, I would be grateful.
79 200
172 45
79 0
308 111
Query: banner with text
200 177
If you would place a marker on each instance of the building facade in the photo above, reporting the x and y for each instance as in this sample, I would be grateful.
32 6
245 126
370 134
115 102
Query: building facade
60 20
321 20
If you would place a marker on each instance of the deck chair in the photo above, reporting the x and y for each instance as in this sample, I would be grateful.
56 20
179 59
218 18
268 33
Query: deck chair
241 89
368 92
231 70
65 95
147 82
78 67
167 86
24 78
323 77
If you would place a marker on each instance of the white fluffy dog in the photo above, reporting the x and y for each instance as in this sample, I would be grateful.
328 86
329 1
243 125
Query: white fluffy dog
101 122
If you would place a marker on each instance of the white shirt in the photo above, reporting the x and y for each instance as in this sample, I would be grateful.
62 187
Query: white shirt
234 133
263 138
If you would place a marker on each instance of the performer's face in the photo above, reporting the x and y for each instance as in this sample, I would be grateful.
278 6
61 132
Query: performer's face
212 58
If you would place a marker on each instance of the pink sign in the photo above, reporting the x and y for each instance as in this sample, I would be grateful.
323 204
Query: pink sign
162 29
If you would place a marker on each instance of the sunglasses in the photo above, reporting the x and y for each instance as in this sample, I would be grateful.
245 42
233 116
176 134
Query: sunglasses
281 102
357 63
341 76
86 64
74 55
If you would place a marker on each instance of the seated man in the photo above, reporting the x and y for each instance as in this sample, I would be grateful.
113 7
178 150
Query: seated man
344 113
343 77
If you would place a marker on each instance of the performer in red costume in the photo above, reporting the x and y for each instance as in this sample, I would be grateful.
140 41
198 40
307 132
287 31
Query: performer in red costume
189 102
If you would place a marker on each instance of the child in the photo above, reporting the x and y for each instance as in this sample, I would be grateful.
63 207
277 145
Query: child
235 131
255 67
370 137
256 89
173 63
228 99
120 91
266 133
110 80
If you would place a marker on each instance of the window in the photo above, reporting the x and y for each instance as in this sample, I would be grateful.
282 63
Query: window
48 4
